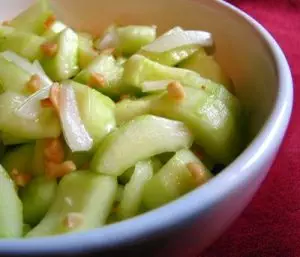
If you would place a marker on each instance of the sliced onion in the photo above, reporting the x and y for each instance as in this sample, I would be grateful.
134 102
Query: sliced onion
179 38
27 66
75 133
158 85
110 39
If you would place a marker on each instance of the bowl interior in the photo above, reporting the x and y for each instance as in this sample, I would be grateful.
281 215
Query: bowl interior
240 51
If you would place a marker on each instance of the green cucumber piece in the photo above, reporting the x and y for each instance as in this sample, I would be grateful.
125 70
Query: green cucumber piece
107 66
208 68
54 29
121 60
80 159
19 158
11 219
173 180
23 43
64 64
132 195
137 140
128 109
86 52
9 139
97 112
132 38
37 197
45 126
12 77
85 193
214 123
173 56
33 19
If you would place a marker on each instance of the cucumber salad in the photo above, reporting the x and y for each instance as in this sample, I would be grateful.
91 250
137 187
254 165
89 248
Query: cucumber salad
98 129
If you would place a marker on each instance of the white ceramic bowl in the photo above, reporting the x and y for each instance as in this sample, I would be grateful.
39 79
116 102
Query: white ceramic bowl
263 82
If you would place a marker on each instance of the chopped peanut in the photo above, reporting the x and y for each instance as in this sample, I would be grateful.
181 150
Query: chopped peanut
108 51
197 172
176 91
34 84
49 22
54 170
97 80
46 103
54 151
21 179
55 96
49 48
73 220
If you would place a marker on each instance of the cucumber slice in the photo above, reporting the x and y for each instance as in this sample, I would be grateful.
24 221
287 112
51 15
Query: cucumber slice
11 220
132 38
87 194
127 40
8 139
132 196
208 68
23 43
54 29
173 180
12 77
96 110
137 140
45 126
128 109
37 197
139 69
173 56
106 66
33 19
214 124
64 64
86 52
19 158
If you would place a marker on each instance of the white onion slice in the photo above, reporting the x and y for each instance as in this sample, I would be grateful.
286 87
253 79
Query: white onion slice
75 133
110 39
179 38
158 85
27 66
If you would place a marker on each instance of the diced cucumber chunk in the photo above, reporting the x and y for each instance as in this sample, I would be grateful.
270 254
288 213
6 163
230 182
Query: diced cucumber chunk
19 158
121 60
137 140
132 38
173 56
11 219
54 29
88 195
80 159
12 77
86 52
128 109
173 180
64 64
23 43
132 196
106 66
214 124
97 112
33 19
127 40
37 197
45 126
208 68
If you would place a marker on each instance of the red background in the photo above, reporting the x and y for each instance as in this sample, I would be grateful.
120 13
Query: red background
270 226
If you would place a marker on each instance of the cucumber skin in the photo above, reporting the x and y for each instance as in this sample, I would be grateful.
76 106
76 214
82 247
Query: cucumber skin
11 218
170 129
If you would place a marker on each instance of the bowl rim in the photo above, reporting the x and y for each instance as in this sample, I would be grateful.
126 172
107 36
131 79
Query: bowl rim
186 207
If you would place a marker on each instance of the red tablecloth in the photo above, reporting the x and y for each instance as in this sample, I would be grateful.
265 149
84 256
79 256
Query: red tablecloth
270 226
